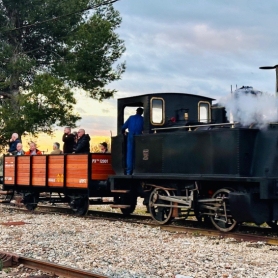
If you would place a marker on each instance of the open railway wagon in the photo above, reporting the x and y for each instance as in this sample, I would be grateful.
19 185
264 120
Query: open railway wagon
191 161
75 177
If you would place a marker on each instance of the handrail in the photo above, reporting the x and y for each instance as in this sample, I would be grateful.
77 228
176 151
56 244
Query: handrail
193 126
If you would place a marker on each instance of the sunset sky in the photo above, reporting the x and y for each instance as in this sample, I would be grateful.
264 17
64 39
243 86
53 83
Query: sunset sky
198 47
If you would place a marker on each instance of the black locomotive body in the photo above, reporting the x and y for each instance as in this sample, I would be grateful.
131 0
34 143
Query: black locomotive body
200 163
189 161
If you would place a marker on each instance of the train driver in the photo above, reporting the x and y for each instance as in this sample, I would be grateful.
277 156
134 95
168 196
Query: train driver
135 125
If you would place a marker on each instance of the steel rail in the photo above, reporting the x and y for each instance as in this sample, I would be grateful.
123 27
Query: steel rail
12 260
112 216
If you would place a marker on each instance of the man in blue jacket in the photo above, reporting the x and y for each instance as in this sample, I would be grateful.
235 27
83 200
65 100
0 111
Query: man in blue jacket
135 126
13 143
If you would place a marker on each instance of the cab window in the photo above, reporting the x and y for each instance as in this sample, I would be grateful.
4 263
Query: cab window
204 112
157 111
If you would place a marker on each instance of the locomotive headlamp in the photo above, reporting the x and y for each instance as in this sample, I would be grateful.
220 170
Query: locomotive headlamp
186 116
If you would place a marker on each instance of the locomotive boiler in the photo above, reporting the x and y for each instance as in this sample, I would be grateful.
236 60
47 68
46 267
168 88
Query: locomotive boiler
189 161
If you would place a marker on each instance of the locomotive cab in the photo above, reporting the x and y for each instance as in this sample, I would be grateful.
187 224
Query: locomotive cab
166 110
162 112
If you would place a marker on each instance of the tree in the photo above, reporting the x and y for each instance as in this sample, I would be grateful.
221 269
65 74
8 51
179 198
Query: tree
49 47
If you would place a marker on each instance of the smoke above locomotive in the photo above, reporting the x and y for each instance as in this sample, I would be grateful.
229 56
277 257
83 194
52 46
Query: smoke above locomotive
251 107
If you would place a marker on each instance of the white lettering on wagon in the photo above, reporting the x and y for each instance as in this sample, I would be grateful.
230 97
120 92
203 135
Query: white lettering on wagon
101 161
82 180
8 178
51 179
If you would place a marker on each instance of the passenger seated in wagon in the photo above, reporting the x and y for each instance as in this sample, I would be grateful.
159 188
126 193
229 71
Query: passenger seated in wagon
56 148
19 150
103 147
33 150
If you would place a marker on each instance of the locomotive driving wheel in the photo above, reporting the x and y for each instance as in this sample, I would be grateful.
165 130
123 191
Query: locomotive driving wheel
222 220
160 210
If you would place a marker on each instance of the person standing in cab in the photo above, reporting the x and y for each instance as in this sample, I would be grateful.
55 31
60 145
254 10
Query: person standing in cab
135 125
68 139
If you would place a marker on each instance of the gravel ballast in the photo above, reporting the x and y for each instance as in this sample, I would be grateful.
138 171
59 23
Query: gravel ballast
118 249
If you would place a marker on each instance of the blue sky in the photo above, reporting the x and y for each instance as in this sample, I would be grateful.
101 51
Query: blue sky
197 47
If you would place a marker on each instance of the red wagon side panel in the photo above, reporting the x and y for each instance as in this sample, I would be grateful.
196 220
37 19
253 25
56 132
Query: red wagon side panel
55 174
23 170
9 170
77 171
101 166
38 171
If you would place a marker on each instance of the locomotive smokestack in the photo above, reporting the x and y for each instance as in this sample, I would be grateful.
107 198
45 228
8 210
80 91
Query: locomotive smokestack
276 68
231 114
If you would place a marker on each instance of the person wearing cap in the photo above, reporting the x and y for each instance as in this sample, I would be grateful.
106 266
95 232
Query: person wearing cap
103 147
135 125
56 148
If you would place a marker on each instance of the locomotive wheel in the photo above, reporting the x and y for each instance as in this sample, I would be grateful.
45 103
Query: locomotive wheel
31 200
79 205
160 214
220 223
128 200
273 224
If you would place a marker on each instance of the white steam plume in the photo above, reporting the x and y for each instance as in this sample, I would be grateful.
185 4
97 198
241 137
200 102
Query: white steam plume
247 108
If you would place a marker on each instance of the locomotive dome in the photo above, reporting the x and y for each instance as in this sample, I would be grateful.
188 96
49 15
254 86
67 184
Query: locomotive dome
247 90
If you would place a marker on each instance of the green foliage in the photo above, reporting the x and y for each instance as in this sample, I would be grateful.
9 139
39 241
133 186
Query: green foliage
49 47
48 102
92 48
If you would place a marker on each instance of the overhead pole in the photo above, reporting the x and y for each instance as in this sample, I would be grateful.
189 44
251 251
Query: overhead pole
276 68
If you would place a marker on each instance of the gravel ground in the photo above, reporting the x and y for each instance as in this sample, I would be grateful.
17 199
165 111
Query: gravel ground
119 249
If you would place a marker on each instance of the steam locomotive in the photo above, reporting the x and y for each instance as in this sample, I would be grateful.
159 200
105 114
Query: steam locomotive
189 161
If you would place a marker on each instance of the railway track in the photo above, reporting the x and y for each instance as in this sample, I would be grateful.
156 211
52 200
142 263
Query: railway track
244 233
13 260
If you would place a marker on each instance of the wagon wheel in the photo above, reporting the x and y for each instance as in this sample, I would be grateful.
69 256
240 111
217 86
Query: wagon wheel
30 200
160 214
9 196
79 204
220 221
128 199
273 224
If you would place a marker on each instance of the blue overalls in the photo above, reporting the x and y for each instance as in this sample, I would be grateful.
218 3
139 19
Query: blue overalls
135 125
